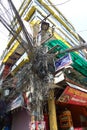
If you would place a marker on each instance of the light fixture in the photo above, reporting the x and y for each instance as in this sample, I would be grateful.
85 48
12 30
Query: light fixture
44 26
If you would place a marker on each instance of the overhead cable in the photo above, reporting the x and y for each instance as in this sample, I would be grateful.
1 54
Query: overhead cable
59 4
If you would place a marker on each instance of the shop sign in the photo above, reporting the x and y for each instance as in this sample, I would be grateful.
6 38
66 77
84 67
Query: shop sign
6 71
37 125
79 128
63 62
59 77
73 96
19 101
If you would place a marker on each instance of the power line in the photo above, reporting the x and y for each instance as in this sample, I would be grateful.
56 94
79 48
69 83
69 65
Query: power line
6 11
59 4
82 30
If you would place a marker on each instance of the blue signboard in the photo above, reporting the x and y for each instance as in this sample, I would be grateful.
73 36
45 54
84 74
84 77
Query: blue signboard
18 102
63 62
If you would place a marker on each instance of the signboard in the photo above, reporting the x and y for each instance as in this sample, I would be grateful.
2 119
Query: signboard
37 125
73 96
19 101
59 77
6 71
62 62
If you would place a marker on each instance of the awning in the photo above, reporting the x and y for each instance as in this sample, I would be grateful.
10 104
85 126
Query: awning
79 63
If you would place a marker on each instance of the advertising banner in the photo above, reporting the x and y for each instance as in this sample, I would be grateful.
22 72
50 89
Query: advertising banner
6 71
19 101
37 125
73 96
63 62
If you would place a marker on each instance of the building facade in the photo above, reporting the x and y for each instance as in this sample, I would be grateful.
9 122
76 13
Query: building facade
47 27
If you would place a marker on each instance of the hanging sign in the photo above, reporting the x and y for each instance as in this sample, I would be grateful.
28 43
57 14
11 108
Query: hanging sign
37 125
6 71
63 62
19 101
73 96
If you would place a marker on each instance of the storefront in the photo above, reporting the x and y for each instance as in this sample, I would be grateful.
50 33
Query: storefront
72 110
19 114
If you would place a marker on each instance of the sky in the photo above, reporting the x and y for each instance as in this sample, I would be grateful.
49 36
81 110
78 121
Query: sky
76 13
74 10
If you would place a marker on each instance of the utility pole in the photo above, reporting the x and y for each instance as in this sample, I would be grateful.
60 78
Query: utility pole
38 72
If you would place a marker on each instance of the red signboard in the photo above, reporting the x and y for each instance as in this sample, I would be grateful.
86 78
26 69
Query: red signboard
37 125
6 70
73 96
